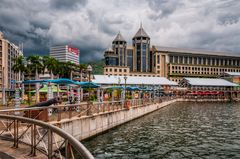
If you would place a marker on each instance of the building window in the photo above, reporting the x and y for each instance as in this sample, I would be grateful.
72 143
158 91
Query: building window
125 70
190 60
180 59
185 60
171 59
158 59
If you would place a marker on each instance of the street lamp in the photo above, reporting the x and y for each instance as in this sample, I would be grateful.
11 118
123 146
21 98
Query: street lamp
125 82
89 69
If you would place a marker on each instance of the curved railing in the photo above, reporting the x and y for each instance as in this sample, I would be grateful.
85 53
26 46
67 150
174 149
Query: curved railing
19 127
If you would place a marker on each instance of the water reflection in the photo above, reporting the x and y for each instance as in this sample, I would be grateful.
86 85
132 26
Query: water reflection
182 130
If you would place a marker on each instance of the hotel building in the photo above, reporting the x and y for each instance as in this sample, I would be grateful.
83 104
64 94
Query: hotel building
65 53
8 52
139 59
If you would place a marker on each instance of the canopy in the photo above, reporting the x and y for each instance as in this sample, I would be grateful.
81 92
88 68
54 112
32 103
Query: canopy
87 84
114 87
64 81
133 88
34 81
45 89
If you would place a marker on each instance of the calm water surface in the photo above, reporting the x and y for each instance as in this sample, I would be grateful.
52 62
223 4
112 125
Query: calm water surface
182 130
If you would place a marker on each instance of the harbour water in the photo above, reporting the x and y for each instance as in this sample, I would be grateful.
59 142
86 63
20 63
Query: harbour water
181 130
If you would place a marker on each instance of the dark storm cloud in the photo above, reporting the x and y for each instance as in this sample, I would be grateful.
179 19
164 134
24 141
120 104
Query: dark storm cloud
91 25
67 4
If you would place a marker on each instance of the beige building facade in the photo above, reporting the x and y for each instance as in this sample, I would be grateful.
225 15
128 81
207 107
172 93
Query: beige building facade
175 63
172 63
8 78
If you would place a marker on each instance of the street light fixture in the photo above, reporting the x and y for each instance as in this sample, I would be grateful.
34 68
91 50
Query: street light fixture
125 82
89 69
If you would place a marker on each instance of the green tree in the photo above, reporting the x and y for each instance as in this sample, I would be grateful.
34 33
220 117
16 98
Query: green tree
82 68
36 66
51 64
19 67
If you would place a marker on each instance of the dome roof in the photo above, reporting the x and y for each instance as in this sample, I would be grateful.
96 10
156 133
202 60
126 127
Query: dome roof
119 37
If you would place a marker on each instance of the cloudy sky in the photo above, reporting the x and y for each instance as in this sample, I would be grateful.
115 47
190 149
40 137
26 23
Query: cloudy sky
91 25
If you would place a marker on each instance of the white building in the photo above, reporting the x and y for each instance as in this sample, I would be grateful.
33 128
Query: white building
65 53
107 80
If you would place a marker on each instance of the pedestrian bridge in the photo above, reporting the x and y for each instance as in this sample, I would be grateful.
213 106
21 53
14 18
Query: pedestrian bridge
55 131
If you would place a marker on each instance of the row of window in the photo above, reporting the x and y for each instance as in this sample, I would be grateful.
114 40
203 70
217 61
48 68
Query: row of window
116 70
204 61
188 69
136 75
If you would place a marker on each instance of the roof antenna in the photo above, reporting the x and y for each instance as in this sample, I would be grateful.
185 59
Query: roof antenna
141 24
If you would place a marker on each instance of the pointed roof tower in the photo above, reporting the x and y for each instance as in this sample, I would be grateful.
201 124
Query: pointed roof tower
141 33
119 37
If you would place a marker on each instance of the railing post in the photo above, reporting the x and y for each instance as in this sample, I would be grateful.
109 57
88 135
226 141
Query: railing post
50 144
59 113
17 126
70 112
15 133
67 154
33 140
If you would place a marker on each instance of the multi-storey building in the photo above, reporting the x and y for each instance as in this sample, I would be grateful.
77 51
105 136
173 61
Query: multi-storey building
173 63
65 53
8 52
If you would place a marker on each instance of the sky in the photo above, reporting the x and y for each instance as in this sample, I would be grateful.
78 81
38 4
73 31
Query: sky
91 25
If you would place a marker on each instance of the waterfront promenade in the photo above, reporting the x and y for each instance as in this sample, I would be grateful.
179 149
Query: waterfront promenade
80 121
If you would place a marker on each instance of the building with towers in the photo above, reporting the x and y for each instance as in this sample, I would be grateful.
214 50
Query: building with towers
142 59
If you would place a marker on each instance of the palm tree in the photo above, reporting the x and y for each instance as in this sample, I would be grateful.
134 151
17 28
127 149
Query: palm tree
35 65
82 67
51 64
20 68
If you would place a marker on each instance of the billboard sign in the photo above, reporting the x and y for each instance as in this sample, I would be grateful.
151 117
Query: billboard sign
73 50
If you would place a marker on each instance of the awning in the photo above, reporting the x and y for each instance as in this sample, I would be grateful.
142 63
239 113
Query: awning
61 81
132 88
34 81
114 87
87 84
65 81
45 89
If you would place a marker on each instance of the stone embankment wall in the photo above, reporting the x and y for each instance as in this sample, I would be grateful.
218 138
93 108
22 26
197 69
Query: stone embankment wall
88 126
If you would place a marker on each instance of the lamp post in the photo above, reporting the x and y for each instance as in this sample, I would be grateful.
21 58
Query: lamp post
125 82
89 69
3 87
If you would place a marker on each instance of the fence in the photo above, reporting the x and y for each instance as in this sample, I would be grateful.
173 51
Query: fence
41 136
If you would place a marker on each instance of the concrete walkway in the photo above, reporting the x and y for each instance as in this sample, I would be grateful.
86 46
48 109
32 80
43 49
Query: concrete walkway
22 152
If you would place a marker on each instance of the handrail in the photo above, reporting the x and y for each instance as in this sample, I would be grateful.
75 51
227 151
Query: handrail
59 112
81 149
